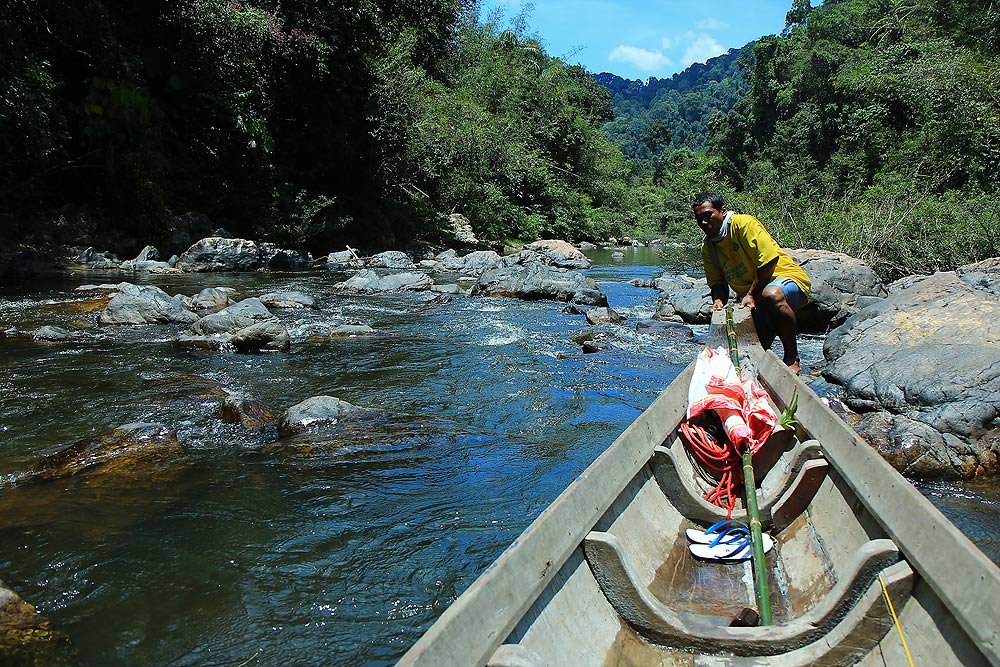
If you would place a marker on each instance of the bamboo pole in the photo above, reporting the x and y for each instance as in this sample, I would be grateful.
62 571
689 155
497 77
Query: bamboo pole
761 587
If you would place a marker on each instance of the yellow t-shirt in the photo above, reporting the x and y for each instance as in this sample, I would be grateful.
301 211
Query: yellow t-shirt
747 247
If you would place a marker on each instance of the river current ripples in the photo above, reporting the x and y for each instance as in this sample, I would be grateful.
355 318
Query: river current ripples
337 548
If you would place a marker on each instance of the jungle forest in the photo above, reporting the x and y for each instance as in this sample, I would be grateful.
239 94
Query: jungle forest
870 127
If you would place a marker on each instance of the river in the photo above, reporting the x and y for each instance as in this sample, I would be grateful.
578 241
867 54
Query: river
317 550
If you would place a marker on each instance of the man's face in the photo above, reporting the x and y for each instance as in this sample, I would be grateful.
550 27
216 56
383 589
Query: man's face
709 218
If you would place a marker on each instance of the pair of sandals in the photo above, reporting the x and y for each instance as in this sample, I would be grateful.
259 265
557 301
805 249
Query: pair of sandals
727 541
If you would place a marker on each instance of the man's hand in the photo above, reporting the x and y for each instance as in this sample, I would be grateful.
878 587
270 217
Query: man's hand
748 302
718 304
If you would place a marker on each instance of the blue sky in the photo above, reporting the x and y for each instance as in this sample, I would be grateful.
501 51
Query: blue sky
645 38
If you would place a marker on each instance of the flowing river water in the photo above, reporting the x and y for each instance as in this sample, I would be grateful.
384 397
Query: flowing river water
338 549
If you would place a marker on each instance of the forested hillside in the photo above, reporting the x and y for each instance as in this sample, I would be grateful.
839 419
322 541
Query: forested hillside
661 113
306 123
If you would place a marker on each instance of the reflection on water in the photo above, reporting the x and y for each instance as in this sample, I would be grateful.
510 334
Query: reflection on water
332 547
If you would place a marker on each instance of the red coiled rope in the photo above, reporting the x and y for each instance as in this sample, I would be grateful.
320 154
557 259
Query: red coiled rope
721 458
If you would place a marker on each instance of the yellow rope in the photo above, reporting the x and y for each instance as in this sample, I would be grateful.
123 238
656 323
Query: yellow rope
895 619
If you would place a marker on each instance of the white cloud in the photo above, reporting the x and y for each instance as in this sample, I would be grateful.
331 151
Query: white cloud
643 59
701 48
667 43
711 23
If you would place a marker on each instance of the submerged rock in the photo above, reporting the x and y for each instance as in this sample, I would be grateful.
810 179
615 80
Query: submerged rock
254 415
349 330
27 638
672 330
52 334
128 449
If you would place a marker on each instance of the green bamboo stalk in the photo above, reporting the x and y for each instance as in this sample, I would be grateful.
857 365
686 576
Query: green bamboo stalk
761 587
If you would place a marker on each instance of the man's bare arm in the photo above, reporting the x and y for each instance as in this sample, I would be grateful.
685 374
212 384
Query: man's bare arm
760 281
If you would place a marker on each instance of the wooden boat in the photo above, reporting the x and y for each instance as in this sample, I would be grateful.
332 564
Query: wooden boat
603 576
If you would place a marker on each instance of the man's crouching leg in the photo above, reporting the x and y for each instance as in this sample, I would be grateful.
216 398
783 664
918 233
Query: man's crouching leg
773 300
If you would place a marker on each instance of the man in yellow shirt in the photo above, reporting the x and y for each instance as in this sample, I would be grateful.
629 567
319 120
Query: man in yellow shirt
738 252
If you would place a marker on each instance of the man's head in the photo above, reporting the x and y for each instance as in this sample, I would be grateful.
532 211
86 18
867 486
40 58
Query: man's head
709 212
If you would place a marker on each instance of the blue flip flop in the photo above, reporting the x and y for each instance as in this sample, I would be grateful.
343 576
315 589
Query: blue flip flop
725 541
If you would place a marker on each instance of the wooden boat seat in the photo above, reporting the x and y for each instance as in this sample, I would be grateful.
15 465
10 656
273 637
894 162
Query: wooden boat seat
784 492
659 623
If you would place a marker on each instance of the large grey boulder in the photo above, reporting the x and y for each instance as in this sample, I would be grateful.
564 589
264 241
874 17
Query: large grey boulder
216 253
97 260
148 261
367 281
148 254
682 299
536 280
212 299
927 356
473 264
316 410
560 253
145 304
604 315
841 286
235 317
391 259
148 266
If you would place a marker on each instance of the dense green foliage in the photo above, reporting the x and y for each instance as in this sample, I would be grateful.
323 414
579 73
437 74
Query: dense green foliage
867 126
870 127
300 122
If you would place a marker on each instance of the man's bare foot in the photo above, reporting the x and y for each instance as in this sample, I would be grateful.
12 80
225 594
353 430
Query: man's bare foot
794 366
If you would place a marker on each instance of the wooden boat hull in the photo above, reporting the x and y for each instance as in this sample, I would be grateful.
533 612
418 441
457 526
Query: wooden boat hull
603 576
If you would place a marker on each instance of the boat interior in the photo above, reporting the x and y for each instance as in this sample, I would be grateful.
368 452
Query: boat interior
605 575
